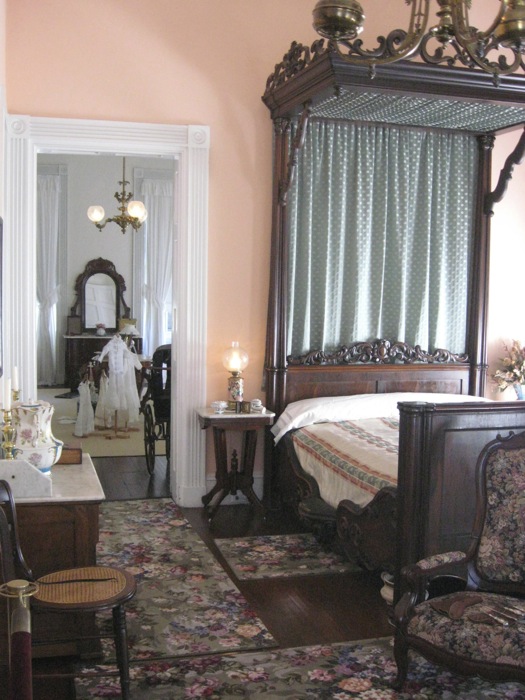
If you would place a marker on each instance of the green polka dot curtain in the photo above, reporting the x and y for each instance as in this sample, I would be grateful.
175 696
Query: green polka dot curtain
380 226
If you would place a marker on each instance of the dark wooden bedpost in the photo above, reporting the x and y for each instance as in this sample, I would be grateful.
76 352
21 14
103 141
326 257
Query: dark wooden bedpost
274 365
478 311
411 485
275 360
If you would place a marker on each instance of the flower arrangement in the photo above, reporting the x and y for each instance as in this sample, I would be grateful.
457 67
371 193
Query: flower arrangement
513 372
101 325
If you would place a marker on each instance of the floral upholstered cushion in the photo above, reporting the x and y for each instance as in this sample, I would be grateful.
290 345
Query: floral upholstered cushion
501 555
437 560
466 637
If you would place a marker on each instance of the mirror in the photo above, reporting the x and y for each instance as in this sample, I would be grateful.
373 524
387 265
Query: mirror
100 302
100 298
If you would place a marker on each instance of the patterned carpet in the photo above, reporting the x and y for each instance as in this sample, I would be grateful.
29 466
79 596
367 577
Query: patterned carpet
272 556
185 603
356 671
194 636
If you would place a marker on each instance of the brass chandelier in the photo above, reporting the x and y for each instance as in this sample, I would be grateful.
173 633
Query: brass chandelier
132 212
498 51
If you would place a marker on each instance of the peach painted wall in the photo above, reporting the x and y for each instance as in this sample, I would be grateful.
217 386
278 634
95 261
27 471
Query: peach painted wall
507 289
206 62
183 62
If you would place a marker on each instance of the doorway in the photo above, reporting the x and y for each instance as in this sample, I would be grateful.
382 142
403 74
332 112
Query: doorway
26 138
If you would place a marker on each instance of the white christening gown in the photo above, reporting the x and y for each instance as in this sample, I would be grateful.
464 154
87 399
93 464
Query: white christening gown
121 393
103 416
85 423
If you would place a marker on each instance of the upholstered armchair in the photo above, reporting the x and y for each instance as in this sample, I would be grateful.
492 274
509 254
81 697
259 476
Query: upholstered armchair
479 631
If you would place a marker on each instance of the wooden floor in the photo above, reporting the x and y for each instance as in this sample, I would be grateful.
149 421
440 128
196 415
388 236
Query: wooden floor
297 611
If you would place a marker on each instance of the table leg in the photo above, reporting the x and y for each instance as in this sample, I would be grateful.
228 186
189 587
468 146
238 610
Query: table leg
228 478
222 481
249 445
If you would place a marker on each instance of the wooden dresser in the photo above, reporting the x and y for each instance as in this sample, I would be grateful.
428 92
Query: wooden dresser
80 349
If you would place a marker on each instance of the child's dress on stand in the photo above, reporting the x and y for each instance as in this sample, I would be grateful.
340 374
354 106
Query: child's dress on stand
121 393
103 416
85 423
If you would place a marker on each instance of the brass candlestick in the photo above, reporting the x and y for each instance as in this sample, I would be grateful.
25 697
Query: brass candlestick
16 394
9 435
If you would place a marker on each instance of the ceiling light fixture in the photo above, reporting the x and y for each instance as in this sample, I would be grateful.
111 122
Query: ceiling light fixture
132 212
498 51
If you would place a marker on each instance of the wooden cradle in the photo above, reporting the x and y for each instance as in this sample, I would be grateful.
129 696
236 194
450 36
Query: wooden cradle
432 507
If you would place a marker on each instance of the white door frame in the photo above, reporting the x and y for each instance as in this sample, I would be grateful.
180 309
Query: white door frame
25 137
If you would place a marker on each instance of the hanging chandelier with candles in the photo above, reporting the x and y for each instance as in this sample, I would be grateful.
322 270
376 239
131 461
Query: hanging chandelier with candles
132 212
452 40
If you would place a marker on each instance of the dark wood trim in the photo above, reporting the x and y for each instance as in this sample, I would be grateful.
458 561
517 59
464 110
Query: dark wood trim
439 445
325 71
513 159
277 312
479 273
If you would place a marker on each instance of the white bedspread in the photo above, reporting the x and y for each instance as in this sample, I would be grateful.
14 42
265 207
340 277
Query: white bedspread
349 444
336 408
350 459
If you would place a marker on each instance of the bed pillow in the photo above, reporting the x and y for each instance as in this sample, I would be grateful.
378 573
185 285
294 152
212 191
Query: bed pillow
337 408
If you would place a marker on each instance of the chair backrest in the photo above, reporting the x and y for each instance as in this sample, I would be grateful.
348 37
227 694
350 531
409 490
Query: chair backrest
500 520
12 562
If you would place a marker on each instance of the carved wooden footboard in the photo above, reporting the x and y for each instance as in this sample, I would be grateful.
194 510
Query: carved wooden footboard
439 446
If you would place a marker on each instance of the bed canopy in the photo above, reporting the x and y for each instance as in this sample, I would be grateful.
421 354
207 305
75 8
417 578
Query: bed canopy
315 86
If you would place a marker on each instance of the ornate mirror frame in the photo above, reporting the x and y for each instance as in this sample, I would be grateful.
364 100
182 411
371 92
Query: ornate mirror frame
95 267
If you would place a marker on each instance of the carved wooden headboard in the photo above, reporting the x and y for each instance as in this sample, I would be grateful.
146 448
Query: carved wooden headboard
308 82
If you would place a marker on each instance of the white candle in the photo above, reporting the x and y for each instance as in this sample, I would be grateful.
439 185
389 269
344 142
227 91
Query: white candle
14 379
7 394
2 391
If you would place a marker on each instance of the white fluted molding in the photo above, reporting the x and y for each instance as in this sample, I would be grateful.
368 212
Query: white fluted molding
25 138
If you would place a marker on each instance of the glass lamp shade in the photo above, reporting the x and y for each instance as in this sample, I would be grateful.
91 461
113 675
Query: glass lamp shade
95 213
235 359
129 330
137 210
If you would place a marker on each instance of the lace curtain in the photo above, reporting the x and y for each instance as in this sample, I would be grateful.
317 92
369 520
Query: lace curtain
380 229
48 208
157 195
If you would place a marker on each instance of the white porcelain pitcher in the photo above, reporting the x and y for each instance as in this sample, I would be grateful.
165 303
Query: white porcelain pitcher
34 440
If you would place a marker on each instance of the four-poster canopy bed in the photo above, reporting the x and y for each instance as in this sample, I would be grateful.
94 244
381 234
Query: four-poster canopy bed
429 507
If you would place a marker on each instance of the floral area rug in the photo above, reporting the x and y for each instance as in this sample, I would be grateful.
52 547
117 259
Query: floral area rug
269 556
185 602
356 671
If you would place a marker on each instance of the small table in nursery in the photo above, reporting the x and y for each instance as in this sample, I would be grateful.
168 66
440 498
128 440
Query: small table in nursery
233 477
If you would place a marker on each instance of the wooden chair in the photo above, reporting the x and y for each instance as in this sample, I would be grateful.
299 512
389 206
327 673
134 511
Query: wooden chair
480 631
86 589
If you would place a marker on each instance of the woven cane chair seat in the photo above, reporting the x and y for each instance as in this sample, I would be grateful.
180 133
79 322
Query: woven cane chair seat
85 587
